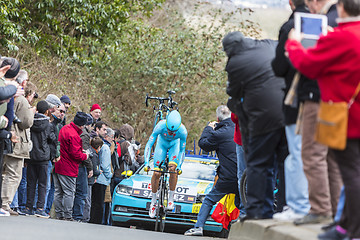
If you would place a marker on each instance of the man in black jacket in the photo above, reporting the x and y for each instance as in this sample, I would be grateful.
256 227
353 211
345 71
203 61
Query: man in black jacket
296 188
256 97
219 137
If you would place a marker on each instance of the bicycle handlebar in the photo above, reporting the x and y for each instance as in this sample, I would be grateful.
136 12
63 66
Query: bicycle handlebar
162 100
162 171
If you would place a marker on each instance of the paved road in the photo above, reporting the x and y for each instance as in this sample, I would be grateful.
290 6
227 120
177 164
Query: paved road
34 228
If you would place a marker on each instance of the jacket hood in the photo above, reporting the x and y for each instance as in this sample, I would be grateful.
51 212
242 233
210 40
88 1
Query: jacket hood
40 122
127 132
234 42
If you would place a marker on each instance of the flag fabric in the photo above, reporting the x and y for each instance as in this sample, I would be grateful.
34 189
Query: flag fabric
226 211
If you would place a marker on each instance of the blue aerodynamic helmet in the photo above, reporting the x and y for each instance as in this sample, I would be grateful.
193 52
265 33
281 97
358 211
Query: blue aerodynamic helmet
173 121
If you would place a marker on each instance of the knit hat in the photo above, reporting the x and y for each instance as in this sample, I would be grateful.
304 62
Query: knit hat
94 107
65 99
14 69
42 106
89 119
53 100
7 92
80 118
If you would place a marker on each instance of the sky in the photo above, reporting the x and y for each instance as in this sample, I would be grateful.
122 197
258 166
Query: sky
255 3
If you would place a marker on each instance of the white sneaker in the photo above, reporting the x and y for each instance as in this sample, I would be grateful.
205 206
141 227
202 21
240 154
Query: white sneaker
287 215
4 213
194 232
170 206
152 210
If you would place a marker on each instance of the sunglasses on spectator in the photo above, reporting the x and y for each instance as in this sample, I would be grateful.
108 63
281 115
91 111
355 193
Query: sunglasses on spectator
62 111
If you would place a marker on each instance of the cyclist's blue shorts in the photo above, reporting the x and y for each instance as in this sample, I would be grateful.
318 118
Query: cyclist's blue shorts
162 148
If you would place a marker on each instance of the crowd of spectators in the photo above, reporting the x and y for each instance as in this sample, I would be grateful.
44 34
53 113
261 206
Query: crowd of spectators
51 167
73 168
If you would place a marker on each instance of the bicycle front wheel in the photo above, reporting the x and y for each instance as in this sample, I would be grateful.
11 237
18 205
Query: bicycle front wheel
158 208
164 201
160 211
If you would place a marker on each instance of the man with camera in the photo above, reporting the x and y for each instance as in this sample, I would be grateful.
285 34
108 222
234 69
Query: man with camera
218 136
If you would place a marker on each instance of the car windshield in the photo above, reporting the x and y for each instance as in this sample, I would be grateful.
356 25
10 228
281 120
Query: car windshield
194 168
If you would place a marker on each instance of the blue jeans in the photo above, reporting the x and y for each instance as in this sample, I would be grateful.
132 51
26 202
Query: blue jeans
80 194
19 200
50 195
340 206
212 198
48 186
15 202
241 166
297 195
22 190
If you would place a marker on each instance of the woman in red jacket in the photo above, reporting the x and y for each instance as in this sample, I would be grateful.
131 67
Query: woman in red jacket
334 62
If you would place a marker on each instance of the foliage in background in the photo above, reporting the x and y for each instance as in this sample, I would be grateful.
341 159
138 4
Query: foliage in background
69 28
116 63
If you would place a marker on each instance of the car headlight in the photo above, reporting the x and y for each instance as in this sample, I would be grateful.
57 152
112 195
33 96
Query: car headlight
123 189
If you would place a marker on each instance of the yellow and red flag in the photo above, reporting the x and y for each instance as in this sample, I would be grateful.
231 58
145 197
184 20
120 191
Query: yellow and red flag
226 211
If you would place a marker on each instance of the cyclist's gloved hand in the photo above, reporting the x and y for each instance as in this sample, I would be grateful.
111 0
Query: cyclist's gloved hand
179 171
147 168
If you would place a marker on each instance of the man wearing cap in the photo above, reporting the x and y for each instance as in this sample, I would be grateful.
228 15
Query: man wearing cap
6 93
67 102
256 97
53 101
95 112
85 172
67 168
13 162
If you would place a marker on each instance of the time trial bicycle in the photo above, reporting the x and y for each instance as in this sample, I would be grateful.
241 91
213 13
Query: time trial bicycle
162 196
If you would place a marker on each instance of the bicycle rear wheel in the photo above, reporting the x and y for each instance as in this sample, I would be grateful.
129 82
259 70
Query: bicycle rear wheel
243 188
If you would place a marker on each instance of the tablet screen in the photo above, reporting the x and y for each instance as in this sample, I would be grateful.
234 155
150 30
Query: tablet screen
311 26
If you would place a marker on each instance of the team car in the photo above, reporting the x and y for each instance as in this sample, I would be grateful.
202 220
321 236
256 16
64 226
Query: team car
131 197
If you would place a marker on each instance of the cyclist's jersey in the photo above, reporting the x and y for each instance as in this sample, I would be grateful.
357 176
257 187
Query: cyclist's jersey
173 143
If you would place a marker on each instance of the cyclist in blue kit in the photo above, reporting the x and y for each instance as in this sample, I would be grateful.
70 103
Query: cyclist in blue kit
171 139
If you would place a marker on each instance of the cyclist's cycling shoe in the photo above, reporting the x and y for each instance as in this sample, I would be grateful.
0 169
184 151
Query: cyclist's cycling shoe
194 232
152 210
170 206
